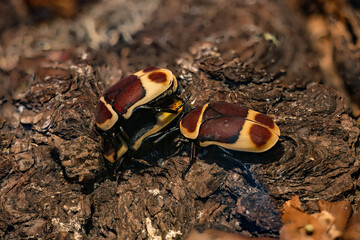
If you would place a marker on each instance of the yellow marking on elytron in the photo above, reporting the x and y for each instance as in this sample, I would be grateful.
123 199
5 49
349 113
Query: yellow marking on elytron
195 133
162 120
175 84
109 122
152 89
120 152
251 116
244 142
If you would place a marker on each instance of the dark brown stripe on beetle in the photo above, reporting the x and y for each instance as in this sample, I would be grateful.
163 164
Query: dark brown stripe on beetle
222 129
189 122
131 94
265 120
229 109
259 135
111 92
149 69
102 113
210 113
158 77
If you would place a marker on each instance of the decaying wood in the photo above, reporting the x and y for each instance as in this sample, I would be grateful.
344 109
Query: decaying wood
54 182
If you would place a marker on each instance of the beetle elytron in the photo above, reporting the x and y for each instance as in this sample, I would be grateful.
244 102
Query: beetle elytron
230 126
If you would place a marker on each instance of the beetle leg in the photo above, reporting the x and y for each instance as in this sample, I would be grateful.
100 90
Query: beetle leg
226 151
118 165
158 109
165 134
141 161
289 138
168 110
123 133
243 166
126 138
184 102
192 160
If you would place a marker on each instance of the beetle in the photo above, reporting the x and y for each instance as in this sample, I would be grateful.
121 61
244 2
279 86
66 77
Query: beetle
229 126
139 90
135 108
141 126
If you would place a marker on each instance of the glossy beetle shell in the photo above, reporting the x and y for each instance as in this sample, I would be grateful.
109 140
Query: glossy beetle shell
162 120
230 126
140 126
141 88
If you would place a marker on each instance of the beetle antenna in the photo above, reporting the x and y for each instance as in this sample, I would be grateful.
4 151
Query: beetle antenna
244 168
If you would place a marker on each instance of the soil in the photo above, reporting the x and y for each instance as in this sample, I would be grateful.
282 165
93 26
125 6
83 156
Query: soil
56 62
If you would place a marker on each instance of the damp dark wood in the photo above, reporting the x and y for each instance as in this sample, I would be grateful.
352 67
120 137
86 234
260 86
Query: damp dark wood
54 181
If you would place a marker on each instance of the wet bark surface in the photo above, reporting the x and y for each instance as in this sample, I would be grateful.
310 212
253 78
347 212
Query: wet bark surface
54 182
